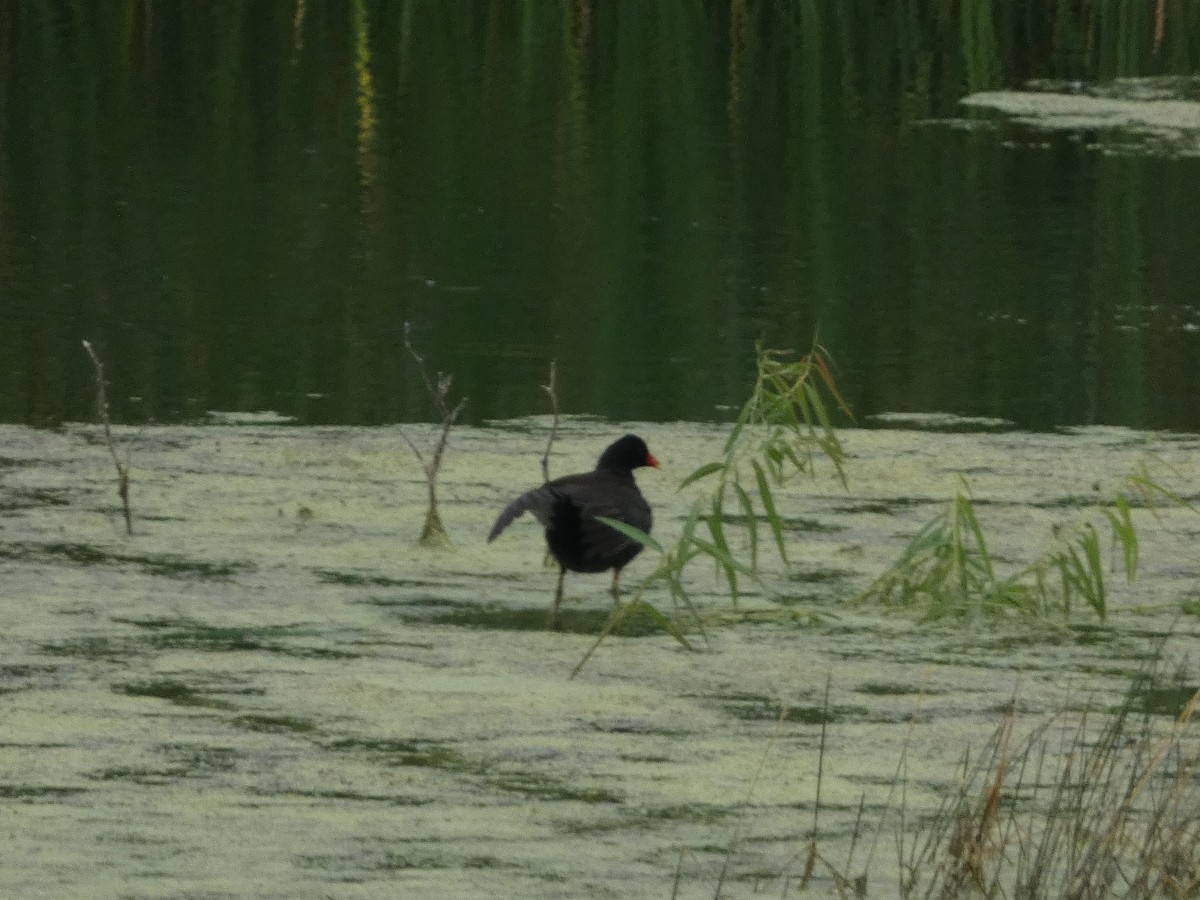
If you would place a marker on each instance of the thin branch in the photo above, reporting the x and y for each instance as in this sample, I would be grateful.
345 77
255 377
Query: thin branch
436 394
434 532
416 451
436 463
102 414
552 390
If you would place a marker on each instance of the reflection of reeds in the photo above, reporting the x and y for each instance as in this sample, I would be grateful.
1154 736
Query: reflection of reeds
980 46
364 82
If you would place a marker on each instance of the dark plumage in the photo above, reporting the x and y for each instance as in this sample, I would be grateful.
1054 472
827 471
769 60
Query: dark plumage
566 507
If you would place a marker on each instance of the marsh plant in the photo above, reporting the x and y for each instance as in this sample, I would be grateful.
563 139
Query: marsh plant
102 414
433 533
781 431
1108 809
1088 806
947 571
551 390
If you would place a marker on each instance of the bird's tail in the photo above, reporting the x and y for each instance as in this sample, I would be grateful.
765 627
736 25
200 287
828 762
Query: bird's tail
539 501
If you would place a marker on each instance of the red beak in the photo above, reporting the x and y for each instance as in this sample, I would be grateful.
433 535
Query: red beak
650 460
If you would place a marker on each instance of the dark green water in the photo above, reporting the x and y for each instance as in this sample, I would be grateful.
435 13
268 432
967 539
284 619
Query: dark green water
241 206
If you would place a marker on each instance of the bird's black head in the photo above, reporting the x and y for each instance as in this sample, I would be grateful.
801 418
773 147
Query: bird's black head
627 454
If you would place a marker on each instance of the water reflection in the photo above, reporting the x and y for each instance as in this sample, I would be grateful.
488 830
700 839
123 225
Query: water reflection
241 210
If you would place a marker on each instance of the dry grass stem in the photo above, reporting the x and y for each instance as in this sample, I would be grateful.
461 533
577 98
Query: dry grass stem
1119 818
434 532
122 466
551 389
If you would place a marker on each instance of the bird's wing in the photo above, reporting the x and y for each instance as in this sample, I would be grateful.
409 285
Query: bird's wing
538 501
599 542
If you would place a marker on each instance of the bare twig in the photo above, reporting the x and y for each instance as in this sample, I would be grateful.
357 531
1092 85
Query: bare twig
438 396
101 398
434 532
552 390
122 466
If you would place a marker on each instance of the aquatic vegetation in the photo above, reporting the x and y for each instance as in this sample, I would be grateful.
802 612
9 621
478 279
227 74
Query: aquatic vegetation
435 754
551 389
433 532
89 647
1103 805
494 616
138 681
217 639
781 430
171 690
357 579
537 785
122 465
32 498
946 571
277 724
405 752
1130 116
1113 814
28 793
169 565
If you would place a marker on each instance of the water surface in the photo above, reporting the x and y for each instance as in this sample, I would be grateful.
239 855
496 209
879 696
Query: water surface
270 691
242 207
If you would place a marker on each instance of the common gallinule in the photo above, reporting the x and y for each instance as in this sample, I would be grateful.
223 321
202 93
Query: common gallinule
567 508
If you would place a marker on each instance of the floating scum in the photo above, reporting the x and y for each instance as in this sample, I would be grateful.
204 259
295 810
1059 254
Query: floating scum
241 700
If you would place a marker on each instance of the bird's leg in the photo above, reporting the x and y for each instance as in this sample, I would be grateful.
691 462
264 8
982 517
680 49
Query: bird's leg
552 618
616 587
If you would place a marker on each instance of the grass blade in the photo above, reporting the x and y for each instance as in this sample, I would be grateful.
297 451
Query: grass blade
719 551
631 532
768 502
619 615
702 472
723 557
751 522
1121 520
1095 571
664 621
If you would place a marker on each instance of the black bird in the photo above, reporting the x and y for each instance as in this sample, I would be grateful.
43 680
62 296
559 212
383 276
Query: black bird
567 508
